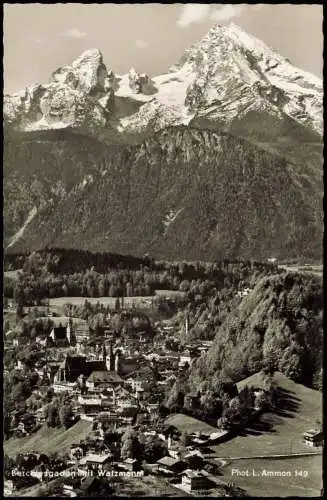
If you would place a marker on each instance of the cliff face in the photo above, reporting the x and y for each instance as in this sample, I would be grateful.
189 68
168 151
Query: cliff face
183 193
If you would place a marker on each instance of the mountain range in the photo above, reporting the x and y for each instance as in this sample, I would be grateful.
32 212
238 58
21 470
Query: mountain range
219 157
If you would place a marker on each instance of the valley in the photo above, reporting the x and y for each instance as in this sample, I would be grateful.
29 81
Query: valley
163 279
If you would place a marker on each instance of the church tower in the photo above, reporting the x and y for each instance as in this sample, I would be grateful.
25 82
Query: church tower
117 362
110 359
103 355
69 330
187 325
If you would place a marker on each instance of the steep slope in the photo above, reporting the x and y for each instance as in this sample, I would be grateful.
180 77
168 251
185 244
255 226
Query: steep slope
277 326
229 81
184 193
39 169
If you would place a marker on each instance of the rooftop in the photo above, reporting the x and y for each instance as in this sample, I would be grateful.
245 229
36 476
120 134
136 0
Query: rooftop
104 376
169 461
92 457
219 434
192 473
312 433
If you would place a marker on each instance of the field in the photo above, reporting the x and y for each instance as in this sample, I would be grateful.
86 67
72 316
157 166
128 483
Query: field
305 479
59 302
279 432
148 486
170 293
140 302
48 440
309 269
184 423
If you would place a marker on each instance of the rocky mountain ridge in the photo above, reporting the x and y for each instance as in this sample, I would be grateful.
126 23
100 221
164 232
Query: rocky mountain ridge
220 157
229 81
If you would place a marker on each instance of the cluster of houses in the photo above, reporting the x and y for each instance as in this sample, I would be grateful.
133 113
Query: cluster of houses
109 377
116 380
183 467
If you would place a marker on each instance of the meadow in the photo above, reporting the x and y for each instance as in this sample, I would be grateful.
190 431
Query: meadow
305 476
48 440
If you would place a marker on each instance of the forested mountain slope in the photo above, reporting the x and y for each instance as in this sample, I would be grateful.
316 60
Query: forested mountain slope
278 326
183 194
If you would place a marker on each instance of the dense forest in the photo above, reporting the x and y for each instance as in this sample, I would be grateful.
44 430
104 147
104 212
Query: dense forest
277 327
183 193
57 273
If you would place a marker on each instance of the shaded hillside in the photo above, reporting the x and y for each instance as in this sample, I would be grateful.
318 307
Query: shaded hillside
182 194
40 168
278 326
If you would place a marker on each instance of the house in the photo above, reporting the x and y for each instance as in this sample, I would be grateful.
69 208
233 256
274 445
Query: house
76 451
170 465
195 459
174 448
194 480
19 365
96 461
219 436
135 384
130 464
62 335
186 358
41 340
101 379
199 438
313 438
90 405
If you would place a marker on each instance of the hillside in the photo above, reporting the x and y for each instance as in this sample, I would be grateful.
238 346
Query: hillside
278 326
281 431
48 440
181 194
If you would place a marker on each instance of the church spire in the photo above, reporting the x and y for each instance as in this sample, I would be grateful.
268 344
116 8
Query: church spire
110 359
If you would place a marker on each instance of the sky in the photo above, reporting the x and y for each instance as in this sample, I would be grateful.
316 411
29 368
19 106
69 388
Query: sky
39 38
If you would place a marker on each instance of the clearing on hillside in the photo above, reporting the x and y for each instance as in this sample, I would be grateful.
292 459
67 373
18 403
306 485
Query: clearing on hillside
278 432
184 423
48 440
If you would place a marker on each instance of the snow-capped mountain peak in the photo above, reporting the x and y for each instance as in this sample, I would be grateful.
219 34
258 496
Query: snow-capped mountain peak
228 81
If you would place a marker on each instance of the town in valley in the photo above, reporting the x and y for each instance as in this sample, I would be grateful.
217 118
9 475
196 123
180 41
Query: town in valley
163 233
105 393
